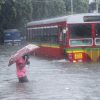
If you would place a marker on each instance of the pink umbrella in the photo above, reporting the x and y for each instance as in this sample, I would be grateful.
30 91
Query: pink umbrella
25 50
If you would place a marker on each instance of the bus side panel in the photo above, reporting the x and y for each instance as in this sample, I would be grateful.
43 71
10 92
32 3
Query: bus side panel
94 54
49 52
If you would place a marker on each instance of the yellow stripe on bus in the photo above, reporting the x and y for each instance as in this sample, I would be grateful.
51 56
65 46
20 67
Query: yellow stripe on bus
50 45
82 51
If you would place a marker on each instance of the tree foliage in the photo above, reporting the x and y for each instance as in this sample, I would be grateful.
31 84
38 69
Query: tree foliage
79 6
15 13
48 8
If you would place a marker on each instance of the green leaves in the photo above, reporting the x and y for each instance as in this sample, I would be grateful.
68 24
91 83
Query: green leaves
79 6
16 13
48 8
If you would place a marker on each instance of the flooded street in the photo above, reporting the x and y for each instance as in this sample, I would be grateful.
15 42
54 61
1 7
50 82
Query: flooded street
49 79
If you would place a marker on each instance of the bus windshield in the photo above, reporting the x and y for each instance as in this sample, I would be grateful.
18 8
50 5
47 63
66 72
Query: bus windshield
80 35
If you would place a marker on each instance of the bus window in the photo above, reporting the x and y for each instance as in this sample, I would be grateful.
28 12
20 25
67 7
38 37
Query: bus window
53 35
97 32
80 31
80 35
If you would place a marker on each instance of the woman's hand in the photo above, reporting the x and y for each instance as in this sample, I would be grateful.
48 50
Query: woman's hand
28 62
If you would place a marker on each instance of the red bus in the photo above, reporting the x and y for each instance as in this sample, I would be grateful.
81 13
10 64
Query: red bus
73 37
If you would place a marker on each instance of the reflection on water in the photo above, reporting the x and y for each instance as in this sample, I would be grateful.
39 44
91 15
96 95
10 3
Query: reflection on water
49 80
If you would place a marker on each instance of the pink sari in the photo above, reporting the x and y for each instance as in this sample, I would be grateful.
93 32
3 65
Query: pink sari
20 72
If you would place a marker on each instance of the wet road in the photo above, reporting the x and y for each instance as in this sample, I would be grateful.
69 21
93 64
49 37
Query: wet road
49 80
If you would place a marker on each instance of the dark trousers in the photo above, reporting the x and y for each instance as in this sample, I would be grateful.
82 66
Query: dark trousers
23 79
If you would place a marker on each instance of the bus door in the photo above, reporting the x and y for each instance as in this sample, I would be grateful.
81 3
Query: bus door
96 52
62 39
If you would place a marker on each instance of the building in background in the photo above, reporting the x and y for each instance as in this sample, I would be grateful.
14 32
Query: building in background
93 6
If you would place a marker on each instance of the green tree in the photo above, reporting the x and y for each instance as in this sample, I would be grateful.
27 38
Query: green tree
79 6
1 3
14 14
48 8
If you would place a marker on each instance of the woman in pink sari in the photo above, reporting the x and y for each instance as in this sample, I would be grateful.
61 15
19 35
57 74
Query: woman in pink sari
21 68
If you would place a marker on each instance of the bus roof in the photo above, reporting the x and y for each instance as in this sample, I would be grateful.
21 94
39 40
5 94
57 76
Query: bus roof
70 19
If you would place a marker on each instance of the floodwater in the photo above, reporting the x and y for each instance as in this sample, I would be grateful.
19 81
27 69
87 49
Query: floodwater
49 79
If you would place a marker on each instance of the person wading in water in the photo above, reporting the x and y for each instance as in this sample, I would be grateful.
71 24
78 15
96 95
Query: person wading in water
21 68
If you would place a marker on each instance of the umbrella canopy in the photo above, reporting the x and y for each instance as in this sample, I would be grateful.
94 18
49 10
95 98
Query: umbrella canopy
25 50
